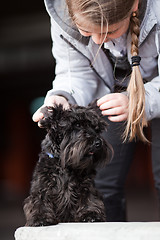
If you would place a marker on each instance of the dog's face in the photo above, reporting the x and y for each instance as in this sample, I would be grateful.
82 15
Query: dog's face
75 136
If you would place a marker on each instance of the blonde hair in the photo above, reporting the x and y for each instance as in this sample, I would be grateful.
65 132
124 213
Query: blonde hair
136 92
114 11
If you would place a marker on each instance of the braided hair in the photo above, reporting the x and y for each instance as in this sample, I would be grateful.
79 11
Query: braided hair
136 92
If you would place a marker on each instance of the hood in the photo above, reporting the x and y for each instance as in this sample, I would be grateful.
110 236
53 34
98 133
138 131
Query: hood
57 9
150 18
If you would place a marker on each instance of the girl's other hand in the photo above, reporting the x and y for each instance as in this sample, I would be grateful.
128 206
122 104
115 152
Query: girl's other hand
115 106
50 102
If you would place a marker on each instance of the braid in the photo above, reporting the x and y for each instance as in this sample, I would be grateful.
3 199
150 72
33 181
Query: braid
135 30
136 92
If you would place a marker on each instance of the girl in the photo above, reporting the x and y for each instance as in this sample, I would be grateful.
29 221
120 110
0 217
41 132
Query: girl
109 50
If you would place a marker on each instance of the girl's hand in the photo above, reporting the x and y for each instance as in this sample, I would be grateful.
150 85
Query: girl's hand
50 101
115 106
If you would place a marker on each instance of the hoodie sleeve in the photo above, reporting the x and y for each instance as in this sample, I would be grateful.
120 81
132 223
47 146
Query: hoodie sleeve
152 89
75 79
152 99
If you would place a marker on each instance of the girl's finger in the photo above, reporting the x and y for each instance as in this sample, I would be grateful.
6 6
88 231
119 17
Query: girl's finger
113 111
119 118
37 116
110 104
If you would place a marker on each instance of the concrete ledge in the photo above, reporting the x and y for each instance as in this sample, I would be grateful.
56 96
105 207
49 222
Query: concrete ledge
92 231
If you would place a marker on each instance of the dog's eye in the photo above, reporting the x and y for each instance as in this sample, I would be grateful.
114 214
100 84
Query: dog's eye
59 138
77 124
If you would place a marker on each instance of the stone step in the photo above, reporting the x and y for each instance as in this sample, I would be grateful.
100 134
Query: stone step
92 231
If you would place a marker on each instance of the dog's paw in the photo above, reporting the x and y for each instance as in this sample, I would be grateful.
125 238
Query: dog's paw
40 223
88 220
92 217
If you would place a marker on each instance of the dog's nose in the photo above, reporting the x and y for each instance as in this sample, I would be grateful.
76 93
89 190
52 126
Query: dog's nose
97 143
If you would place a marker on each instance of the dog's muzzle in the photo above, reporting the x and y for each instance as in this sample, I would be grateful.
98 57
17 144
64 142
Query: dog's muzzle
96 146
97 143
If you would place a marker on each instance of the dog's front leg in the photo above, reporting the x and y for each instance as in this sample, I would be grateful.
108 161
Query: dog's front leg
39 206
38 212
92 211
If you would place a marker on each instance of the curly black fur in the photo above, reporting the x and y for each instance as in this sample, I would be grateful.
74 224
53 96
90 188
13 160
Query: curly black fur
62 189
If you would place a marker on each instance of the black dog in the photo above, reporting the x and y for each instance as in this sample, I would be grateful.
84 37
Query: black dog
62 188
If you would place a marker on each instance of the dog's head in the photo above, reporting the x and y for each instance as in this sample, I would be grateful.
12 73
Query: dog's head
75 136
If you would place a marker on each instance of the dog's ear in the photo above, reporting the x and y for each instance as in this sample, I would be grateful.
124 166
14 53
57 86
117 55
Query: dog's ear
52 115
98 119
93 105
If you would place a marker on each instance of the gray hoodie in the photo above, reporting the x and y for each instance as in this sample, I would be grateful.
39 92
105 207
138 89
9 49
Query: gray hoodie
81 78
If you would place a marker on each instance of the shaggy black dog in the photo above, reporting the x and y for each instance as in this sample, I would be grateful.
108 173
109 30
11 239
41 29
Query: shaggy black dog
62 189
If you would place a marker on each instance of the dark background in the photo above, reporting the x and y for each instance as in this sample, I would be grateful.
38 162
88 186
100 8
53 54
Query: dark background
26 73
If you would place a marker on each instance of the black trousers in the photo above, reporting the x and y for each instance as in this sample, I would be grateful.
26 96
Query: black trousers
111 180
155 125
